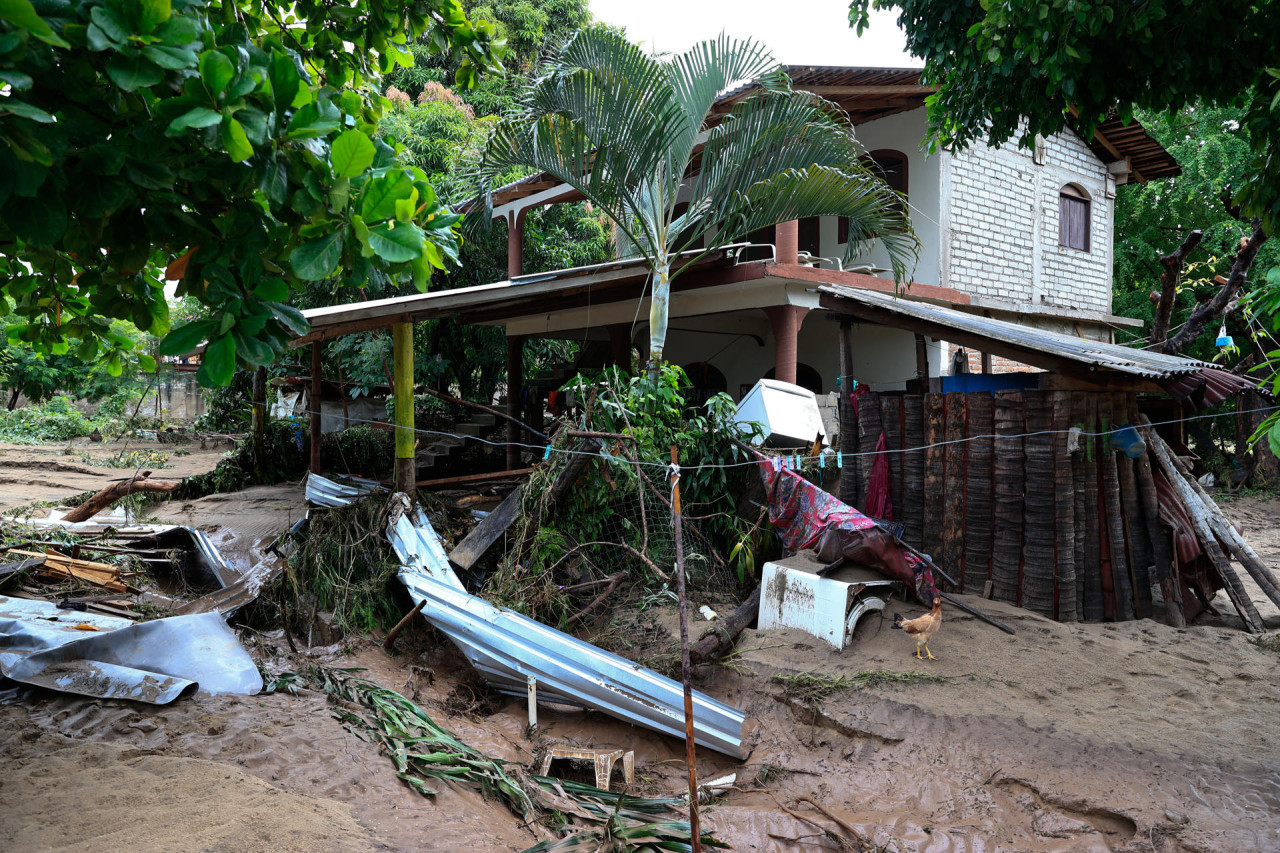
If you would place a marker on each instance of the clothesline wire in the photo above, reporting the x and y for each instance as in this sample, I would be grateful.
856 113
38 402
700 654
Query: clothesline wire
547 450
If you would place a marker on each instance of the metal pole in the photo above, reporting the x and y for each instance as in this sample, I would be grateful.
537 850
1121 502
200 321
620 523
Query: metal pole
685 668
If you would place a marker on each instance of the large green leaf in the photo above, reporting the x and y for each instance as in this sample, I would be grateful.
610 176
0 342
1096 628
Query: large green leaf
235 140
108 29
218 364
152 13
396 242
186 338
351 154
198 117
216 72
318 259
131 70
21 13
382 193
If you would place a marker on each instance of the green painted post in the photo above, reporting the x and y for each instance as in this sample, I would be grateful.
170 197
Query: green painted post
406 468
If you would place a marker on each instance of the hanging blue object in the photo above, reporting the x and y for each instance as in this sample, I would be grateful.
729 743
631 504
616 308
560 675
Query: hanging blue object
1224 340
1127 440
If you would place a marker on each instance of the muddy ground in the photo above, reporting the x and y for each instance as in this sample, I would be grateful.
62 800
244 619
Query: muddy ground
1101 737
48 472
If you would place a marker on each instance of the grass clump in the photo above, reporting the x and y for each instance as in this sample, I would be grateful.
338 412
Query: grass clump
1268 642
813 688
345 566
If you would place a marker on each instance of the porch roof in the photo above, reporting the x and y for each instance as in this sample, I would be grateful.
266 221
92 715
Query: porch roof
596 285
1198 383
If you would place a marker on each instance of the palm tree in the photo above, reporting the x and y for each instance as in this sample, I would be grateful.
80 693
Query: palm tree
629 131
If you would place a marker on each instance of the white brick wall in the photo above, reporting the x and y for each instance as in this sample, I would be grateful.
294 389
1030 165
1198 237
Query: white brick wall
1000 218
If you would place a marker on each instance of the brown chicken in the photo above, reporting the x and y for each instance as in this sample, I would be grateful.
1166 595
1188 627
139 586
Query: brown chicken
922 627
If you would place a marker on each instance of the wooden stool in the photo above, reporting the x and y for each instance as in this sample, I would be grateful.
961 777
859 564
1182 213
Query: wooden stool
603 760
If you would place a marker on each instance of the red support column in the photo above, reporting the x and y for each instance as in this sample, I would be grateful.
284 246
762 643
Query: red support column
785 321
515 383
787 239
515 245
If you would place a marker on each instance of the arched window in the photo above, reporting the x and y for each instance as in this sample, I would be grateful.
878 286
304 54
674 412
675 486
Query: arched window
806 377
891 167
1073 217
707 381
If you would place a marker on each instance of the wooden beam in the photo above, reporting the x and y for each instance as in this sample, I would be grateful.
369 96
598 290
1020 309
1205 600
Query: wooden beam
402 357
450 482
1115 152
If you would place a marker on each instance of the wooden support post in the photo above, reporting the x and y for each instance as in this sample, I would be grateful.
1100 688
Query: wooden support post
986 363
258 424
922 363
685 664
786 238
515 245
850 474
314 405
1170 588
1198 514
402 357
515 385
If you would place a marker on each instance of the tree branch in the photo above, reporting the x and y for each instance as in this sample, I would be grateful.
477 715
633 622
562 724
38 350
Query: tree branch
1171 266
1225 300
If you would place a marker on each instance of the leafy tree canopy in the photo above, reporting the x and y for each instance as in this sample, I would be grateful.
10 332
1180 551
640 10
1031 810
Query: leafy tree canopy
1212 146
229 146
1012 68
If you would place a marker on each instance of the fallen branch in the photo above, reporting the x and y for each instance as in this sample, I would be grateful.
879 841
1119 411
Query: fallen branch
586 612
847 827
719 639
118 490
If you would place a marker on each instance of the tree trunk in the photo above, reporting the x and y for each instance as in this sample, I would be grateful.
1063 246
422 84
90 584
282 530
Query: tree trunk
13 400
1172 265
659 307
1224 301
719 639
258 425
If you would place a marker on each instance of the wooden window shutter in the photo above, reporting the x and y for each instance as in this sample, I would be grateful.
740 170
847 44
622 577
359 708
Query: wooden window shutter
1073 219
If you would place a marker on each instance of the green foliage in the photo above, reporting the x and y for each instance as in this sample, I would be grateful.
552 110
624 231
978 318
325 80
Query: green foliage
359 450
1011 69
345 566
1212 147
227 408
622 128
217 145
37 375
286 455
56 419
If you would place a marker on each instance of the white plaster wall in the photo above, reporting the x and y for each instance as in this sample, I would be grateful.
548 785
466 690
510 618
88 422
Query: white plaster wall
1001 226
904 132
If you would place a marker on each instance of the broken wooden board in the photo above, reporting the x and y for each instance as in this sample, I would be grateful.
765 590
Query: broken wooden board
490 529
59 567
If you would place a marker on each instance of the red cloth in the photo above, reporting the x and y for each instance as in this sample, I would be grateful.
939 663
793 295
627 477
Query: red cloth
808 517
879 502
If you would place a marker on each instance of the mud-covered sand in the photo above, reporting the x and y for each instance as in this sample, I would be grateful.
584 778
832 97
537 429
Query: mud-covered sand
51 471
1124 737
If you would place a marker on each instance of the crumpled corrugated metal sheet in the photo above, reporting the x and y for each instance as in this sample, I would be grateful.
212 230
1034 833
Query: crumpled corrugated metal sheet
153 662
508 648
324 492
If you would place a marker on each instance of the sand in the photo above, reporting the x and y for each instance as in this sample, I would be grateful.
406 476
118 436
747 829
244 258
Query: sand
1091 737
49 472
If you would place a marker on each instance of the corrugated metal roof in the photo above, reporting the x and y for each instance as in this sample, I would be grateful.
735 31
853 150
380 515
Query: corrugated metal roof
1038 347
